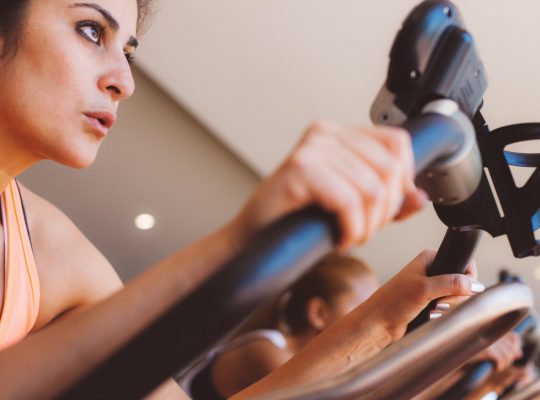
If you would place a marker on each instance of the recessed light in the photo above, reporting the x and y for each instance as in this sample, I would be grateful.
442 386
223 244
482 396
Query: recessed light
144 222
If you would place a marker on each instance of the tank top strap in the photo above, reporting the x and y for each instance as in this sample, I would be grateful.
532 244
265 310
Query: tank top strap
21 286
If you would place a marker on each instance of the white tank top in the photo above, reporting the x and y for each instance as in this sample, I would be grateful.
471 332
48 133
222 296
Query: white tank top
273 335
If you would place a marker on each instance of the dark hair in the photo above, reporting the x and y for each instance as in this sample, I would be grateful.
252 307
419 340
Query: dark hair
11 23
12 14
327 279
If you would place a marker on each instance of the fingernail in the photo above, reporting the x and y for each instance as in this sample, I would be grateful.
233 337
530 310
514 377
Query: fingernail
435 315
442 306
477 287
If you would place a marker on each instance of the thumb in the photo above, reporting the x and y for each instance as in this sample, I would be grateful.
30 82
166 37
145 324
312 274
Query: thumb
455 285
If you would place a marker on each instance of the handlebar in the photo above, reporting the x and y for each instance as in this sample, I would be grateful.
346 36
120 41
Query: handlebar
478 373
407 367
272 260
448 166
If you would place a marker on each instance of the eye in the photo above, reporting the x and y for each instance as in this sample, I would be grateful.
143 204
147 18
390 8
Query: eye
91 31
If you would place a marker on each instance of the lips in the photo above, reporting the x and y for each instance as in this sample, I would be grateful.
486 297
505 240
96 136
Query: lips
106 119
101 121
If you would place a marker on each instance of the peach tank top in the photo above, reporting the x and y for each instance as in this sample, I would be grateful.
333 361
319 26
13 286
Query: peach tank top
21 287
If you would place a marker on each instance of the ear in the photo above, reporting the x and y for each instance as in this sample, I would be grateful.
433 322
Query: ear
317 313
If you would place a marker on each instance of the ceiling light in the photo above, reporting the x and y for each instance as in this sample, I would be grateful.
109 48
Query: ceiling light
145 222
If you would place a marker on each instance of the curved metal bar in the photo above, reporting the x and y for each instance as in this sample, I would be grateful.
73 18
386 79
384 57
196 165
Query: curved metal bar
442 133
478 373
273 259
407 367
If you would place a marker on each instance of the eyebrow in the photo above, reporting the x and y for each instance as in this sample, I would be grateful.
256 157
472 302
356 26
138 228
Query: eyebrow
111 21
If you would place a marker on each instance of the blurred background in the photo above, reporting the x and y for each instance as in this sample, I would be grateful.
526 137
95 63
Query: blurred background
225 89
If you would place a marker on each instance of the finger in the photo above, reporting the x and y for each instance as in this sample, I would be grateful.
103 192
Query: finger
435 314
443 306
517 345
355 165
336 195
454 301
454 285
398 141
363 178
413 201
390 168
509 349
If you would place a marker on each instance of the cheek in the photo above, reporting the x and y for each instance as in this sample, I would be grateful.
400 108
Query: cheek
54 70
52 90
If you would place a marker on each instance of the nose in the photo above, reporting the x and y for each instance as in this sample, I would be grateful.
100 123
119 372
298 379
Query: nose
118 81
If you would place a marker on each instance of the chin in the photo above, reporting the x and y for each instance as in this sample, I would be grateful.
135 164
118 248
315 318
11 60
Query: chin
82 164
78 158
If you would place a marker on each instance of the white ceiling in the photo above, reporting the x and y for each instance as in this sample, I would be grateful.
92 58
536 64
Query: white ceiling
256 72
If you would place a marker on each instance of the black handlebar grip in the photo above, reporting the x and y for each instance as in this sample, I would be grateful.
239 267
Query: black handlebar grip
271 261
453 256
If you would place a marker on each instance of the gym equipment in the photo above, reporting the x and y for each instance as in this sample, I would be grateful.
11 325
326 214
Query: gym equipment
405 368
433 57
478 373
434 89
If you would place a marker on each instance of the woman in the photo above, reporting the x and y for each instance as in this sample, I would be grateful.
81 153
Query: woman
64 69
327 292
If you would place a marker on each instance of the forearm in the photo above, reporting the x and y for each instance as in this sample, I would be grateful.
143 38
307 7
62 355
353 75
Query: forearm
350 341
62 352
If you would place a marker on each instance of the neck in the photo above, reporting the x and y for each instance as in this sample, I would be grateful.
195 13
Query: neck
12 163
296 342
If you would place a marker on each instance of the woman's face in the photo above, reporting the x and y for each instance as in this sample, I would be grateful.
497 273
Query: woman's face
61 89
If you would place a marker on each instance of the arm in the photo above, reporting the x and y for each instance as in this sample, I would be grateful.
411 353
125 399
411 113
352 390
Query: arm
74 276
235 370
368 329
362 175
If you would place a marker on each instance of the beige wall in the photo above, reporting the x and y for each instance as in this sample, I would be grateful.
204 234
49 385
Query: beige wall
157 159
257 72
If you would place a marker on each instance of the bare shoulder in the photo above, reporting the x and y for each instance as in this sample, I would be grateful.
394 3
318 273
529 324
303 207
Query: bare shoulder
241 367
72 272
264 353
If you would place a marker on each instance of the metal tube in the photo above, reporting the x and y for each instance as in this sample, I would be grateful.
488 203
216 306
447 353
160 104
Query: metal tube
405 368
272 260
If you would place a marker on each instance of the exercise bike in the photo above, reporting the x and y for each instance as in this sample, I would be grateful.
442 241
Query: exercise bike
434 89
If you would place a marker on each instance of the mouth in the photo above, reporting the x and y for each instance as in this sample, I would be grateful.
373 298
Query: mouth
105 119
